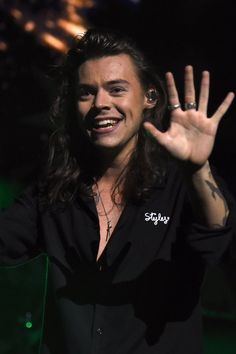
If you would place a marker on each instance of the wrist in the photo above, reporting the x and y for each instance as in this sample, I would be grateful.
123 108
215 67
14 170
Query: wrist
192 172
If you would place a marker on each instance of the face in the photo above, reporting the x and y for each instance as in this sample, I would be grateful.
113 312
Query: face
111 102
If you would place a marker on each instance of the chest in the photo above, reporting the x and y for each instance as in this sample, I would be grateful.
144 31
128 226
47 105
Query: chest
107 225
137 234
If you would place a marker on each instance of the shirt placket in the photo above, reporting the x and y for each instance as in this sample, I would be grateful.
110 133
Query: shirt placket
98 330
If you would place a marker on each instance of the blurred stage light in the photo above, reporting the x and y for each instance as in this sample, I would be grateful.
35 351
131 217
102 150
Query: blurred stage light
70 27
53 42
3 46
51 25
29 26
17 14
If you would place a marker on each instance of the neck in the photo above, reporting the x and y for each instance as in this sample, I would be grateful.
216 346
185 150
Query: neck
111 166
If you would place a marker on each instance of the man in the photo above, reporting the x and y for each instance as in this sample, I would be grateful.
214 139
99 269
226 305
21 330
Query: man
128 212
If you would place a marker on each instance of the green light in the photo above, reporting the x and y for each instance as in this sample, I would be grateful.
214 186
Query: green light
28 324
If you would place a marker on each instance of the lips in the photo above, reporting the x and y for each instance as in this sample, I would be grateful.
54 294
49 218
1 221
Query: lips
105 124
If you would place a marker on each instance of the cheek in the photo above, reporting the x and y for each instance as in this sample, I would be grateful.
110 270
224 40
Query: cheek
137 112
84 106
82 109
138 105
131 105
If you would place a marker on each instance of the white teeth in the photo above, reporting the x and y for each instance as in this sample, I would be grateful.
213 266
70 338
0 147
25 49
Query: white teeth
105 122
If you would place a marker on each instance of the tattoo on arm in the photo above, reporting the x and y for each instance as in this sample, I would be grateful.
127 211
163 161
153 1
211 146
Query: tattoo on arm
216 192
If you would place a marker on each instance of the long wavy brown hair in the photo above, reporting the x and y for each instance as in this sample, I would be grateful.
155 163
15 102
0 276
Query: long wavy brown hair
72 164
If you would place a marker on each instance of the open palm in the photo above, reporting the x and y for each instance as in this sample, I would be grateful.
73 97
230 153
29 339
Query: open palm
191 134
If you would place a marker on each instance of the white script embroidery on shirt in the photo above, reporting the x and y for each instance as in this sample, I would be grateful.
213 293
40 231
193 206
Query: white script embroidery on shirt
156 217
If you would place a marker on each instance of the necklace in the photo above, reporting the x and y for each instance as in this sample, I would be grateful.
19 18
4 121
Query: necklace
109 226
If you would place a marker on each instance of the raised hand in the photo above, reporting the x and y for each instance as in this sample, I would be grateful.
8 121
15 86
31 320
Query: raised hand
191 134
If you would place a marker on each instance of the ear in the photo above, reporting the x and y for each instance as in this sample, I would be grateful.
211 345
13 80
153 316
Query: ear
150 98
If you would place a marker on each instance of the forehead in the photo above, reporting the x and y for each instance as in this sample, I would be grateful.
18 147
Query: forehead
110 68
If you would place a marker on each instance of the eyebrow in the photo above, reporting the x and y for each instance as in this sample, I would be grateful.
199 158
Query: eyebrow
111 82
118 81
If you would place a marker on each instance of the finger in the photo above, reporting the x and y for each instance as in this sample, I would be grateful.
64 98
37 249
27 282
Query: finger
155 133
223 107
204 92
189 90
171 89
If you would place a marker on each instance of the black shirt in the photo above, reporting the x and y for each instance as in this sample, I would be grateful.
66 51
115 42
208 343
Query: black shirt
142 296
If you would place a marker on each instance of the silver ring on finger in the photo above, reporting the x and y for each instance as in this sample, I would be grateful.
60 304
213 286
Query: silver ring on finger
190 105
172 107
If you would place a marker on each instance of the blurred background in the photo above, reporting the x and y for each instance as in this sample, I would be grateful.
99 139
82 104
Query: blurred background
34 36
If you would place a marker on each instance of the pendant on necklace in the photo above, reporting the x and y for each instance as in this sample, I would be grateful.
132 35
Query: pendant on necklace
109 227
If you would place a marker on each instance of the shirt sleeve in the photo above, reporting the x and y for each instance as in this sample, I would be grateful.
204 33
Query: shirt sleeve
18 229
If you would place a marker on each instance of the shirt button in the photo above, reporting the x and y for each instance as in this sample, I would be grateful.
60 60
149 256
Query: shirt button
99 331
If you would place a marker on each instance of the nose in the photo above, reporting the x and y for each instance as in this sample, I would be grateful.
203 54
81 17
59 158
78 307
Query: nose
102 100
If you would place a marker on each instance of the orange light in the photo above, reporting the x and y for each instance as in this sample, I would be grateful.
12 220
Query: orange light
16 13
29 26
81 3
70 27
53 42
3 46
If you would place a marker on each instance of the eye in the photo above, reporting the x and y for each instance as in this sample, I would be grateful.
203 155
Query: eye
84 93
117 90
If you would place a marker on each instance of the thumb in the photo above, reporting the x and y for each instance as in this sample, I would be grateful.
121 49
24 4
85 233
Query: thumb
154 132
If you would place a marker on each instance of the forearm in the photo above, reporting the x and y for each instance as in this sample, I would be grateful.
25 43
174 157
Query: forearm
209 205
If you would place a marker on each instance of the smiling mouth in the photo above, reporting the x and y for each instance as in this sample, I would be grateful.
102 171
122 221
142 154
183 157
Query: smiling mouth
105 125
